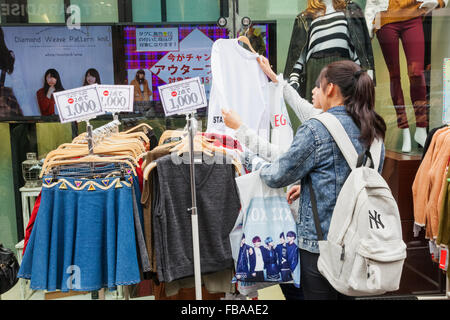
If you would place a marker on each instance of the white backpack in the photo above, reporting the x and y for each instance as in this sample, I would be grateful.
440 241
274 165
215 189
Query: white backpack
364 251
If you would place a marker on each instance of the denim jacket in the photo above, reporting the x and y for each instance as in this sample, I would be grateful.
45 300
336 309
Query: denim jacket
359 35
314 155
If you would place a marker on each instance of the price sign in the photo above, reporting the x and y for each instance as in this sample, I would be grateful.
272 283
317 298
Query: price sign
183 96
116 98
78 104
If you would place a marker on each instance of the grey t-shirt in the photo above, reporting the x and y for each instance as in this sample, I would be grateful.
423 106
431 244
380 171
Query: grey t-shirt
218 206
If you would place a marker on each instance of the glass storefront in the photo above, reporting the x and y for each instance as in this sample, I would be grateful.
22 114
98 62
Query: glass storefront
170 40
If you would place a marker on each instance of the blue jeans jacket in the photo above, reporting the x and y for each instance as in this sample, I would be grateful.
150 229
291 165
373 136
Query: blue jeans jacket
314 155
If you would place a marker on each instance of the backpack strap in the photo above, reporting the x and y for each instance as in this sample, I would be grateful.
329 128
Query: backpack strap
340 136
375 150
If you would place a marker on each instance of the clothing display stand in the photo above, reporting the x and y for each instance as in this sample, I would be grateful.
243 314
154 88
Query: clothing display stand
192 130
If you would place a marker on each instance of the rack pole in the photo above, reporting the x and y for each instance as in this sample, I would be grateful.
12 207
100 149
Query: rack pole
194 217
89 137
90 141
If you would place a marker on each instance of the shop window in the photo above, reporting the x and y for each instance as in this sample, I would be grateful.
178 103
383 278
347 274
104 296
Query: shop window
97 11
146 10
45 11
189 10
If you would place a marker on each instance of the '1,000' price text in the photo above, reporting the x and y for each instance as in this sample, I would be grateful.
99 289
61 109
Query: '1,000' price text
80 107
184 100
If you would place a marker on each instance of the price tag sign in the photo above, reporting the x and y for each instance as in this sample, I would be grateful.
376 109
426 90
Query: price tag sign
183 96
78 104
116 98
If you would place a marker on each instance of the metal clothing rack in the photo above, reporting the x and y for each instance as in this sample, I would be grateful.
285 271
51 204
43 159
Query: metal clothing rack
95 136
192 130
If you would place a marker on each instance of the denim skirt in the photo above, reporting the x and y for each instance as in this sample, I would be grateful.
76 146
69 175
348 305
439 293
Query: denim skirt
84 236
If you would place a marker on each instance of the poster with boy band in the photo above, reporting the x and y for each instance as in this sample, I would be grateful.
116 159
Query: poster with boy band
268 248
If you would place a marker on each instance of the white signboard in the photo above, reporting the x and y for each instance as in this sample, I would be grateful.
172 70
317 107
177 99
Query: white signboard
116 98
183 96
78 104
446 89
156 39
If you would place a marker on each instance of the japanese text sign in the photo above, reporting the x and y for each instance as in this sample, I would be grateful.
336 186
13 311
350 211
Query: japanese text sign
156 39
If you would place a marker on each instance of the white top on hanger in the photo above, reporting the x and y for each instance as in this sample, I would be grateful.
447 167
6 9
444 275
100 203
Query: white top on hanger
238 83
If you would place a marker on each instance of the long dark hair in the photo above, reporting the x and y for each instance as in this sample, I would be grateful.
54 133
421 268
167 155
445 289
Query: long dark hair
54 74
93 72
358 91
140 71
6 55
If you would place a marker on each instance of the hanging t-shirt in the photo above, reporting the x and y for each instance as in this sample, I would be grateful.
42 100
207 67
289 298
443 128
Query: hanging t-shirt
217 206
238 83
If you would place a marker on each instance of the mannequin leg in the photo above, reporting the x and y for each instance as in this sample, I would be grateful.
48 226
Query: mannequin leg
414 45
388 37
406 145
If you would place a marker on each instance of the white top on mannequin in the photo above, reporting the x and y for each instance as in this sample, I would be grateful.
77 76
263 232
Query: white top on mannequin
329 4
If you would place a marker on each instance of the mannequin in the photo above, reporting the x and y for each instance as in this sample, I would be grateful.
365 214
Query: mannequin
311 47
402 20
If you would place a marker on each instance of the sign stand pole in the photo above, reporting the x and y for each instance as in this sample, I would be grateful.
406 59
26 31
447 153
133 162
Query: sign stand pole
90 141
192 129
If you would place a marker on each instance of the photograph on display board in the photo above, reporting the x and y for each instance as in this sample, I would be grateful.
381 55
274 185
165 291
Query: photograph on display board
43 60
141 80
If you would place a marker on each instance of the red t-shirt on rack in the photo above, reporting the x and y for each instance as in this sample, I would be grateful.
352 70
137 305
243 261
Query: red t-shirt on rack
31 222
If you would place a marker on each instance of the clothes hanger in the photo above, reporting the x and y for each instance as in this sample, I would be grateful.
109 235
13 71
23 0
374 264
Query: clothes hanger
199 144
73 150
87 159
166 145
246 40
130 148
82 157
141 135
142 125
99 150
148 169
171 134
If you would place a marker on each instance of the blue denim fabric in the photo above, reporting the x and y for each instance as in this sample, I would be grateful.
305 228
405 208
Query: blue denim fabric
92 232
84 169
313 155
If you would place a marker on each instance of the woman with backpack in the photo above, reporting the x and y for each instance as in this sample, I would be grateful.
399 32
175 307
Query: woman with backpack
347 92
